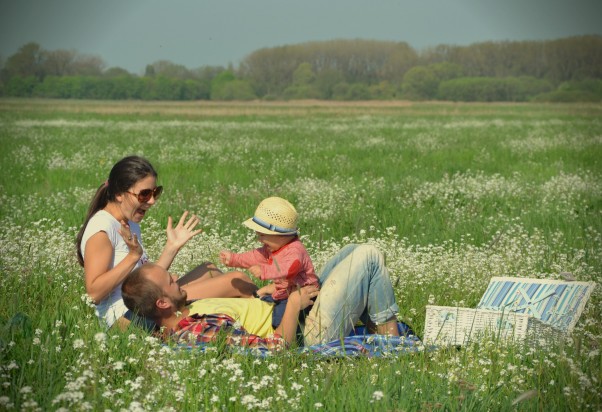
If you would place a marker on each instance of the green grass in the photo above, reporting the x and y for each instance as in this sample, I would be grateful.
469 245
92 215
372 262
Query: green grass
453 194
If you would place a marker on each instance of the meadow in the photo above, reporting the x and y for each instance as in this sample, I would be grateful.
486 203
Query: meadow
452 194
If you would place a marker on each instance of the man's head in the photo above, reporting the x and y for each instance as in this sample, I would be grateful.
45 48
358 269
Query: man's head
151 291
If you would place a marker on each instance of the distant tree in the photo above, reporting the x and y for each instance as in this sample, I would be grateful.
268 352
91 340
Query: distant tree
149 71
21 86
340 91
326 81
401 58
270 71
555 60
420 83
446 70
207 73
86 65
219 82
167 88
358 91
491 89
50 87
527 87
203 76
125 86
335 69
168 69
195 90
27 61
303 84
358 61
303 75
383 91
59 62
233 90
588 90
116 72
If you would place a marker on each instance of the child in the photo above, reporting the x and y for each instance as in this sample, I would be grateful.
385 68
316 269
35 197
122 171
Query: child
282 258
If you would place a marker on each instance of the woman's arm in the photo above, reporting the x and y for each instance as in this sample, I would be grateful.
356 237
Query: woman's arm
227 285
100 280
177 237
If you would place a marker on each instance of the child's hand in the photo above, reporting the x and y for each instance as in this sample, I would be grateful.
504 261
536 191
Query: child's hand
255 271
266 290
225 256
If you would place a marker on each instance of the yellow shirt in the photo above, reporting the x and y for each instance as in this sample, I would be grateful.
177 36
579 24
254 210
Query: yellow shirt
253 314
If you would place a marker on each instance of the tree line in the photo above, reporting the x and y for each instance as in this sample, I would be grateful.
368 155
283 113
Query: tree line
568 69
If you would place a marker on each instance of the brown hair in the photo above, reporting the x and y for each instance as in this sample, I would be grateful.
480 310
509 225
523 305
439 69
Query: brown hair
124 174
140 293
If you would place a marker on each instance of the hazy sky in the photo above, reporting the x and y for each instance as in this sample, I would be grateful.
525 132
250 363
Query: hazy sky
194 33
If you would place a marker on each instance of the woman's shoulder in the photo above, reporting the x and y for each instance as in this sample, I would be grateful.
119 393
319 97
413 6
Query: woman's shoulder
103 218
102 221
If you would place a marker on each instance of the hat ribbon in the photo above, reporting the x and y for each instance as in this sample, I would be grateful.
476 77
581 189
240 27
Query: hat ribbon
273 228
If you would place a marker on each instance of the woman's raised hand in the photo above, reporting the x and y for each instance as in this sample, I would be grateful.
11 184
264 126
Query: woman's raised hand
183 232
131 240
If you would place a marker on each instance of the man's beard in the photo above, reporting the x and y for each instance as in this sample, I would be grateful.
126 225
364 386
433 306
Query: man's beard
180 300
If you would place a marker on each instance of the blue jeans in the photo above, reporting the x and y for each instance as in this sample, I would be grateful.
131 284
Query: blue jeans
280 308
355 286
278 311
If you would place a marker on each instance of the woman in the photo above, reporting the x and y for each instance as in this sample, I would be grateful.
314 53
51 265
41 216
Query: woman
109 244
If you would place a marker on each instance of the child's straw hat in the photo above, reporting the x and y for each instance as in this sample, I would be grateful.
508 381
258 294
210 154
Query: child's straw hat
274 216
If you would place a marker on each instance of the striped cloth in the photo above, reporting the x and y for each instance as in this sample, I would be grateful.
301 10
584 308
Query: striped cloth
556 303
368 345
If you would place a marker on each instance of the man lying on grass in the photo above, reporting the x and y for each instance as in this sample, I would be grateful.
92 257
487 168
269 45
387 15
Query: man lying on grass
355 286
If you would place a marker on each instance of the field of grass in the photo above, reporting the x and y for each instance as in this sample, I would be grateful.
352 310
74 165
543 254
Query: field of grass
452 194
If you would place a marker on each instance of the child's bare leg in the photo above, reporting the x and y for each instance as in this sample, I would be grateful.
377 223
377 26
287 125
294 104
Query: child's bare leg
227 285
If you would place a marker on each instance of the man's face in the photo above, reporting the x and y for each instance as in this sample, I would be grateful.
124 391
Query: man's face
177 295
169 287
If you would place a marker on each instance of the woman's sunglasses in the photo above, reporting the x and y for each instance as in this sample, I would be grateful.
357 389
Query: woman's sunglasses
145 194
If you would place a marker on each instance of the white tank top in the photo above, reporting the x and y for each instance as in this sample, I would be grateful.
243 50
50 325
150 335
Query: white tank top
112 307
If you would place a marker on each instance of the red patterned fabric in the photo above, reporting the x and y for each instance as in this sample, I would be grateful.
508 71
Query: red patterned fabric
208 328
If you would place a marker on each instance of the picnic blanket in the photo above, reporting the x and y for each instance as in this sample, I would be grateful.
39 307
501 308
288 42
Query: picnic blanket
359 343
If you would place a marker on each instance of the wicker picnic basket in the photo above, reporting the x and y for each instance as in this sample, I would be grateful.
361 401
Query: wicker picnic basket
535 311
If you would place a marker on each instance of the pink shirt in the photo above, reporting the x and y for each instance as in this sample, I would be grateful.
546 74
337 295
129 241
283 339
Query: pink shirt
289 267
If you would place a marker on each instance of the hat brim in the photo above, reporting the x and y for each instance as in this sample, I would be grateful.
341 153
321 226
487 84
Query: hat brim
258 228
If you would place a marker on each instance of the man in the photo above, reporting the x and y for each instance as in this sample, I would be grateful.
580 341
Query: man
152 292
355 285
